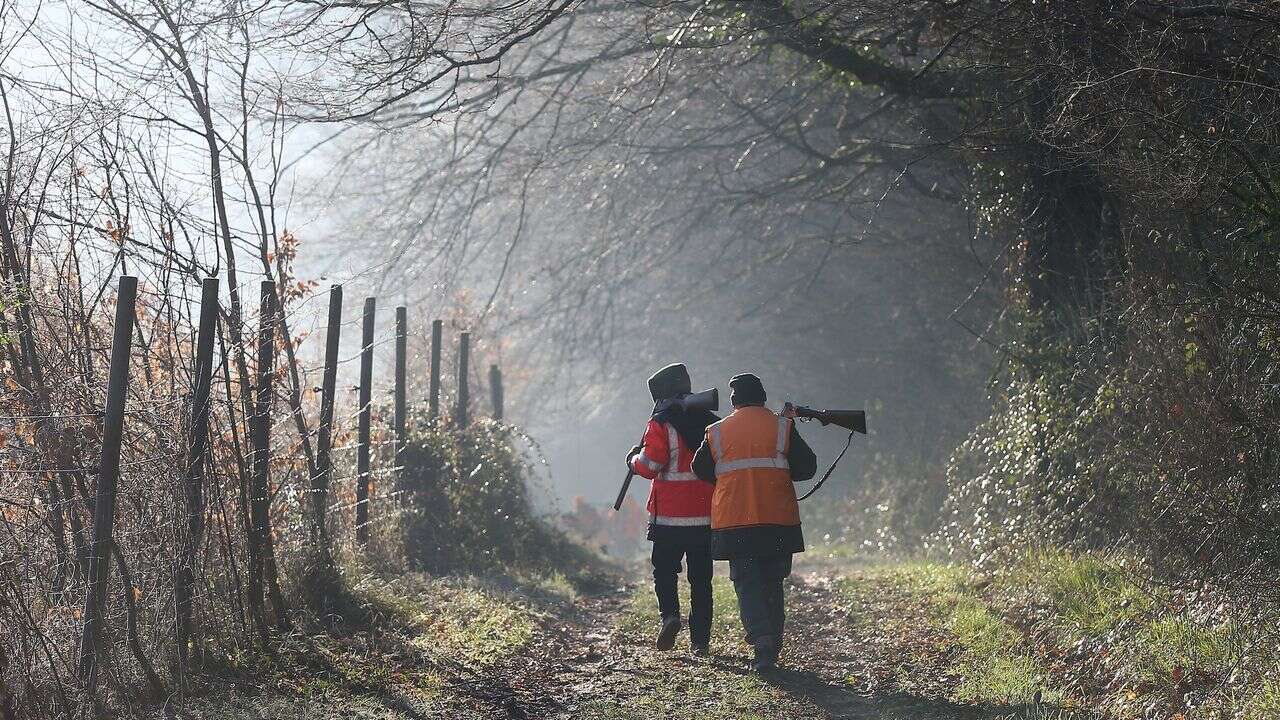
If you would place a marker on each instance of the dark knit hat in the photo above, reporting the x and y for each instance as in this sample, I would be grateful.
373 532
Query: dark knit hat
671 381
747 390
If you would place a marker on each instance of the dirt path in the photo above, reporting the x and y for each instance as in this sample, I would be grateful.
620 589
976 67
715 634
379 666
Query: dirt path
855 648
593 661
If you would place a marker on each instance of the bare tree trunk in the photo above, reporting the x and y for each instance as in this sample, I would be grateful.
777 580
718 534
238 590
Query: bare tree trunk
30 369
131 624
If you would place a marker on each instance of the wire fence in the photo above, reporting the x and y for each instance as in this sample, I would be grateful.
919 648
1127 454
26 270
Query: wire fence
193 545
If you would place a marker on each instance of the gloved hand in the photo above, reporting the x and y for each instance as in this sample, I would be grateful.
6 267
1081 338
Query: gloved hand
635 450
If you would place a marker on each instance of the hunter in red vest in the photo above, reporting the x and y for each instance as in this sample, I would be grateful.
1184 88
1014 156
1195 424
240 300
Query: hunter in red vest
679 507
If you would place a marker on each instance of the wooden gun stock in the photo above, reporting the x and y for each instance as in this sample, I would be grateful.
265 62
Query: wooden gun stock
622 493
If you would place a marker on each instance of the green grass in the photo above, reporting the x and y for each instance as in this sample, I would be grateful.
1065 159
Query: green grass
1156 650
1265 703
455 618
474 626
544 588
994 665
992 661
928 578
271 706
384 663
695 692
1174 647
945 629
1091 594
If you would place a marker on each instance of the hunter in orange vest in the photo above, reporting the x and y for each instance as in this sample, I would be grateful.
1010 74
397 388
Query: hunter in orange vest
753 457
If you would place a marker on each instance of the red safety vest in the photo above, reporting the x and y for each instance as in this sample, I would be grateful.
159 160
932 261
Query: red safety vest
678 497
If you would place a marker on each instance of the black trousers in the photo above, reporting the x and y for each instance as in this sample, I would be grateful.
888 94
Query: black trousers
667 555
758 584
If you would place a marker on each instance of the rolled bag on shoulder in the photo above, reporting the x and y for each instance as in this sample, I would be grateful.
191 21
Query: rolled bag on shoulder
754 512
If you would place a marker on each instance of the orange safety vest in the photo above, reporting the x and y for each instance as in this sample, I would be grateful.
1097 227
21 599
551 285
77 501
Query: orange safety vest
753 479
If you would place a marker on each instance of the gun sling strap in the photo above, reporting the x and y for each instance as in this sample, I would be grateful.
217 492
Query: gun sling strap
831 469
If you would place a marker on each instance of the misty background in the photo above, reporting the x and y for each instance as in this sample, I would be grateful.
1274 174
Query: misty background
588 243
594 207
962 219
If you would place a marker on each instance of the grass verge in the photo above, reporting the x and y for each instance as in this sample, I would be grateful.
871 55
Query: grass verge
958 646
401 659
1089 632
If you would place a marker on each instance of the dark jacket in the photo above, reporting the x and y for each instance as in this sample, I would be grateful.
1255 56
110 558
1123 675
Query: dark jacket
759 540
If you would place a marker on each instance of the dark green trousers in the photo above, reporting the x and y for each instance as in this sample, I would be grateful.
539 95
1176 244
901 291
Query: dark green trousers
758 584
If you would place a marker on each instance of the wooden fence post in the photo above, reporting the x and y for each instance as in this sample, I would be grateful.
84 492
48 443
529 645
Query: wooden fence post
401 403
437 337
184 581
324 439
464 394
104 509
495 391
264 560
366 401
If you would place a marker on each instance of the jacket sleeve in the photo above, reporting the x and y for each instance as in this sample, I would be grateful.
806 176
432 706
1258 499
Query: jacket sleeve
654 452
804 464
704 466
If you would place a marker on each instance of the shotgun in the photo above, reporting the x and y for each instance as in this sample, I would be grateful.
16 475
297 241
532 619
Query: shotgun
851 420
855 421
